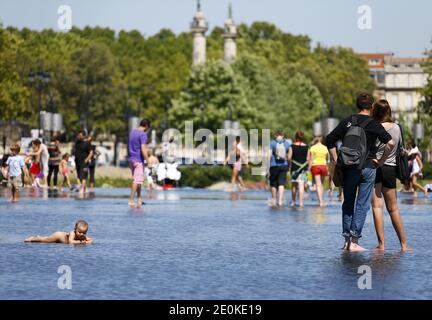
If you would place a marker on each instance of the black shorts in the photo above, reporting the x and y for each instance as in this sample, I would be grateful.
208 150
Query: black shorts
83 171
386 175
278 176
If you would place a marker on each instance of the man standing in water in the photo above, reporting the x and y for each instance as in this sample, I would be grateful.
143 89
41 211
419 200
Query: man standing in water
357 159
83 156
138 154
278 158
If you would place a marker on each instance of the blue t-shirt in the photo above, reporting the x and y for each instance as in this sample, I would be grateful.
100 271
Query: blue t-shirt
273 161
15 164
136 139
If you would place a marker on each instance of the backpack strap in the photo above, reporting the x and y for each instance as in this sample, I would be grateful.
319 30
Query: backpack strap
402 140
365 123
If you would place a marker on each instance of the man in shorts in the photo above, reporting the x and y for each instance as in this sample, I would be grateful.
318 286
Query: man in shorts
278 155
137 147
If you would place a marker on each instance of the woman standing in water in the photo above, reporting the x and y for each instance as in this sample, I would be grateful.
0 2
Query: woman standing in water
318 167
298 158
385 181
237 168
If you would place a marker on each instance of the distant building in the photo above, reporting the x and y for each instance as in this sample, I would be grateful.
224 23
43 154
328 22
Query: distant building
399 81
199 27
230 36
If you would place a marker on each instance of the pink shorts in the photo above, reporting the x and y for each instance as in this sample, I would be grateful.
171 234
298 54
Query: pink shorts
137 171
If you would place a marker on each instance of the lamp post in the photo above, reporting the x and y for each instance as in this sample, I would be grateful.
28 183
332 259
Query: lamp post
40 81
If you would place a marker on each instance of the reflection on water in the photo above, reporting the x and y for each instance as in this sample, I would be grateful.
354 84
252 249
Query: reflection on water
198 244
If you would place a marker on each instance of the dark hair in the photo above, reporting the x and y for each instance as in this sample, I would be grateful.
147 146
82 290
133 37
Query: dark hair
81 224
145 123
279 133
238 139
66 155
381 111
299 136
15 148
364 101
55 138
411 142
36 142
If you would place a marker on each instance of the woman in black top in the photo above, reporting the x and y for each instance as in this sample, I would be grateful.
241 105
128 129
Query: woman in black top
299 158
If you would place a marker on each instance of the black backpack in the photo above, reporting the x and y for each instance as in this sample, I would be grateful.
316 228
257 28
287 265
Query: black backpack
402 167
354 152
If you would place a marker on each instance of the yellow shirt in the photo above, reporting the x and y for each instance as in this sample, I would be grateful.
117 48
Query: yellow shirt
319 154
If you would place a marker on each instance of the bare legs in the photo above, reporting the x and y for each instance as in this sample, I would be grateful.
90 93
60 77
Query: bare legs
236 178
297 187
278 195
390 199
56 237
135 188
417 186
320 189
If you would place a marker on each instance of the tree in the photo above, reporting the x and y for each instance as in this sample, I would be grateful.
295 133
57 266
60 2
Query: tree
211 96
426 104
13 94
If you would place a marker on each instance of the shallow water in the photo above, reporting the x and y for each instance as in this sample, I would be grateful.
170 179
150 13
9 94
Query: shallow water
198 244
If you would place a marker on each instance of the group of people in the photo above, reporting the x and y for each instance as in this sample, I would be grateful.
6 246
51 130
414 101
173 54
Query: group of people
362 152
42 165
364 149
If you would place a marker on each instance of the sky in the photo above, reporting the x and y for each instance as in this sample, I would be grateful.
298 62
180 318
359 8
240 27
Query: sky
398 26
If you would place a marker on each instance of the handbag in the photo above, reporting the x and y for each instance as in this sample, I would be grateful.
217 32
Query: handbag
338 175
402 167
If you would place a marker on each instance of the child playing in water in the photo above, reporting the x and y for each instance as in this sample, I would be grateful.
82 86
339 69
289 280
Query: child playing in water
15 167
76 236
35 169
64 170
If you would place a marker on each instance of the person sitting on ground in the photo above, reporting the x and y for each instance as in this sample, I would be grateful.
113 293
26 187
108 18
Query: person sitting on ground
76 236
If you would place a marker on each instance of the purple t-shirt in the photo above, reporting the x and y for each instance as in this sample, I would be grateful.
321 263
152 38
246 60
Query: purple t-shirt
136 139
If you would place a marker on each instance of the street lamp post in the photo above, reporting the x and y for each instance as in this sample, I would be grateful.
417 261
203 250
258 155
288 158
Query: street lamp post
40 81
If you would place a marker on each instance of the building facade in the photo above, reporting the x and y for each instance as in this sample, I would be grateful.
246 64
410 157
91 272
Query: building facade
399 81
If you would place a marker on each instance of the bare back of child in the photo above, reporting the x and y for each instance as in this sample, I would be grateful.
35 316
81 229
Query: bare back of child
76 236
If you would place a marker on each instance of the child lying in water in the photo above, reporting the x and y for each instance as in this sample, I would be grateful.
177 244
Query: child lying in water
76 236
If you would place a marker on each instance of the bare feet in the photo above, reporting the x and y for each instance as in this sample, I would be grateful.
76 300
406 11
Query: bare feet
29 239
380 247
406 248
354 247
139 203
131 203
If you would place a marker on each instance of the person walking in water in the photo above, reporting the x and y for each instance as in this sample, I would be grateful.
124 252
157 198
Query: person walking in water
83 155
359 134
278 158
237 168
54 160
137 148
416 165
318 167
299 159
385 181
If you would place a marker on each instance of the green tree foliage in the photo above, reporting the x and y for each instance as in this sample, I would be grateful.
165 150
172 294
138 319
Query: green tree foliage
426 104
211 96
100 77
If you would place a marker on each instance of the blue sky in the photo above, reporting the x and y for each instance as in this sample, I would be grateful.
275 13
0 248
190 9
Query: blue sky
402 27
